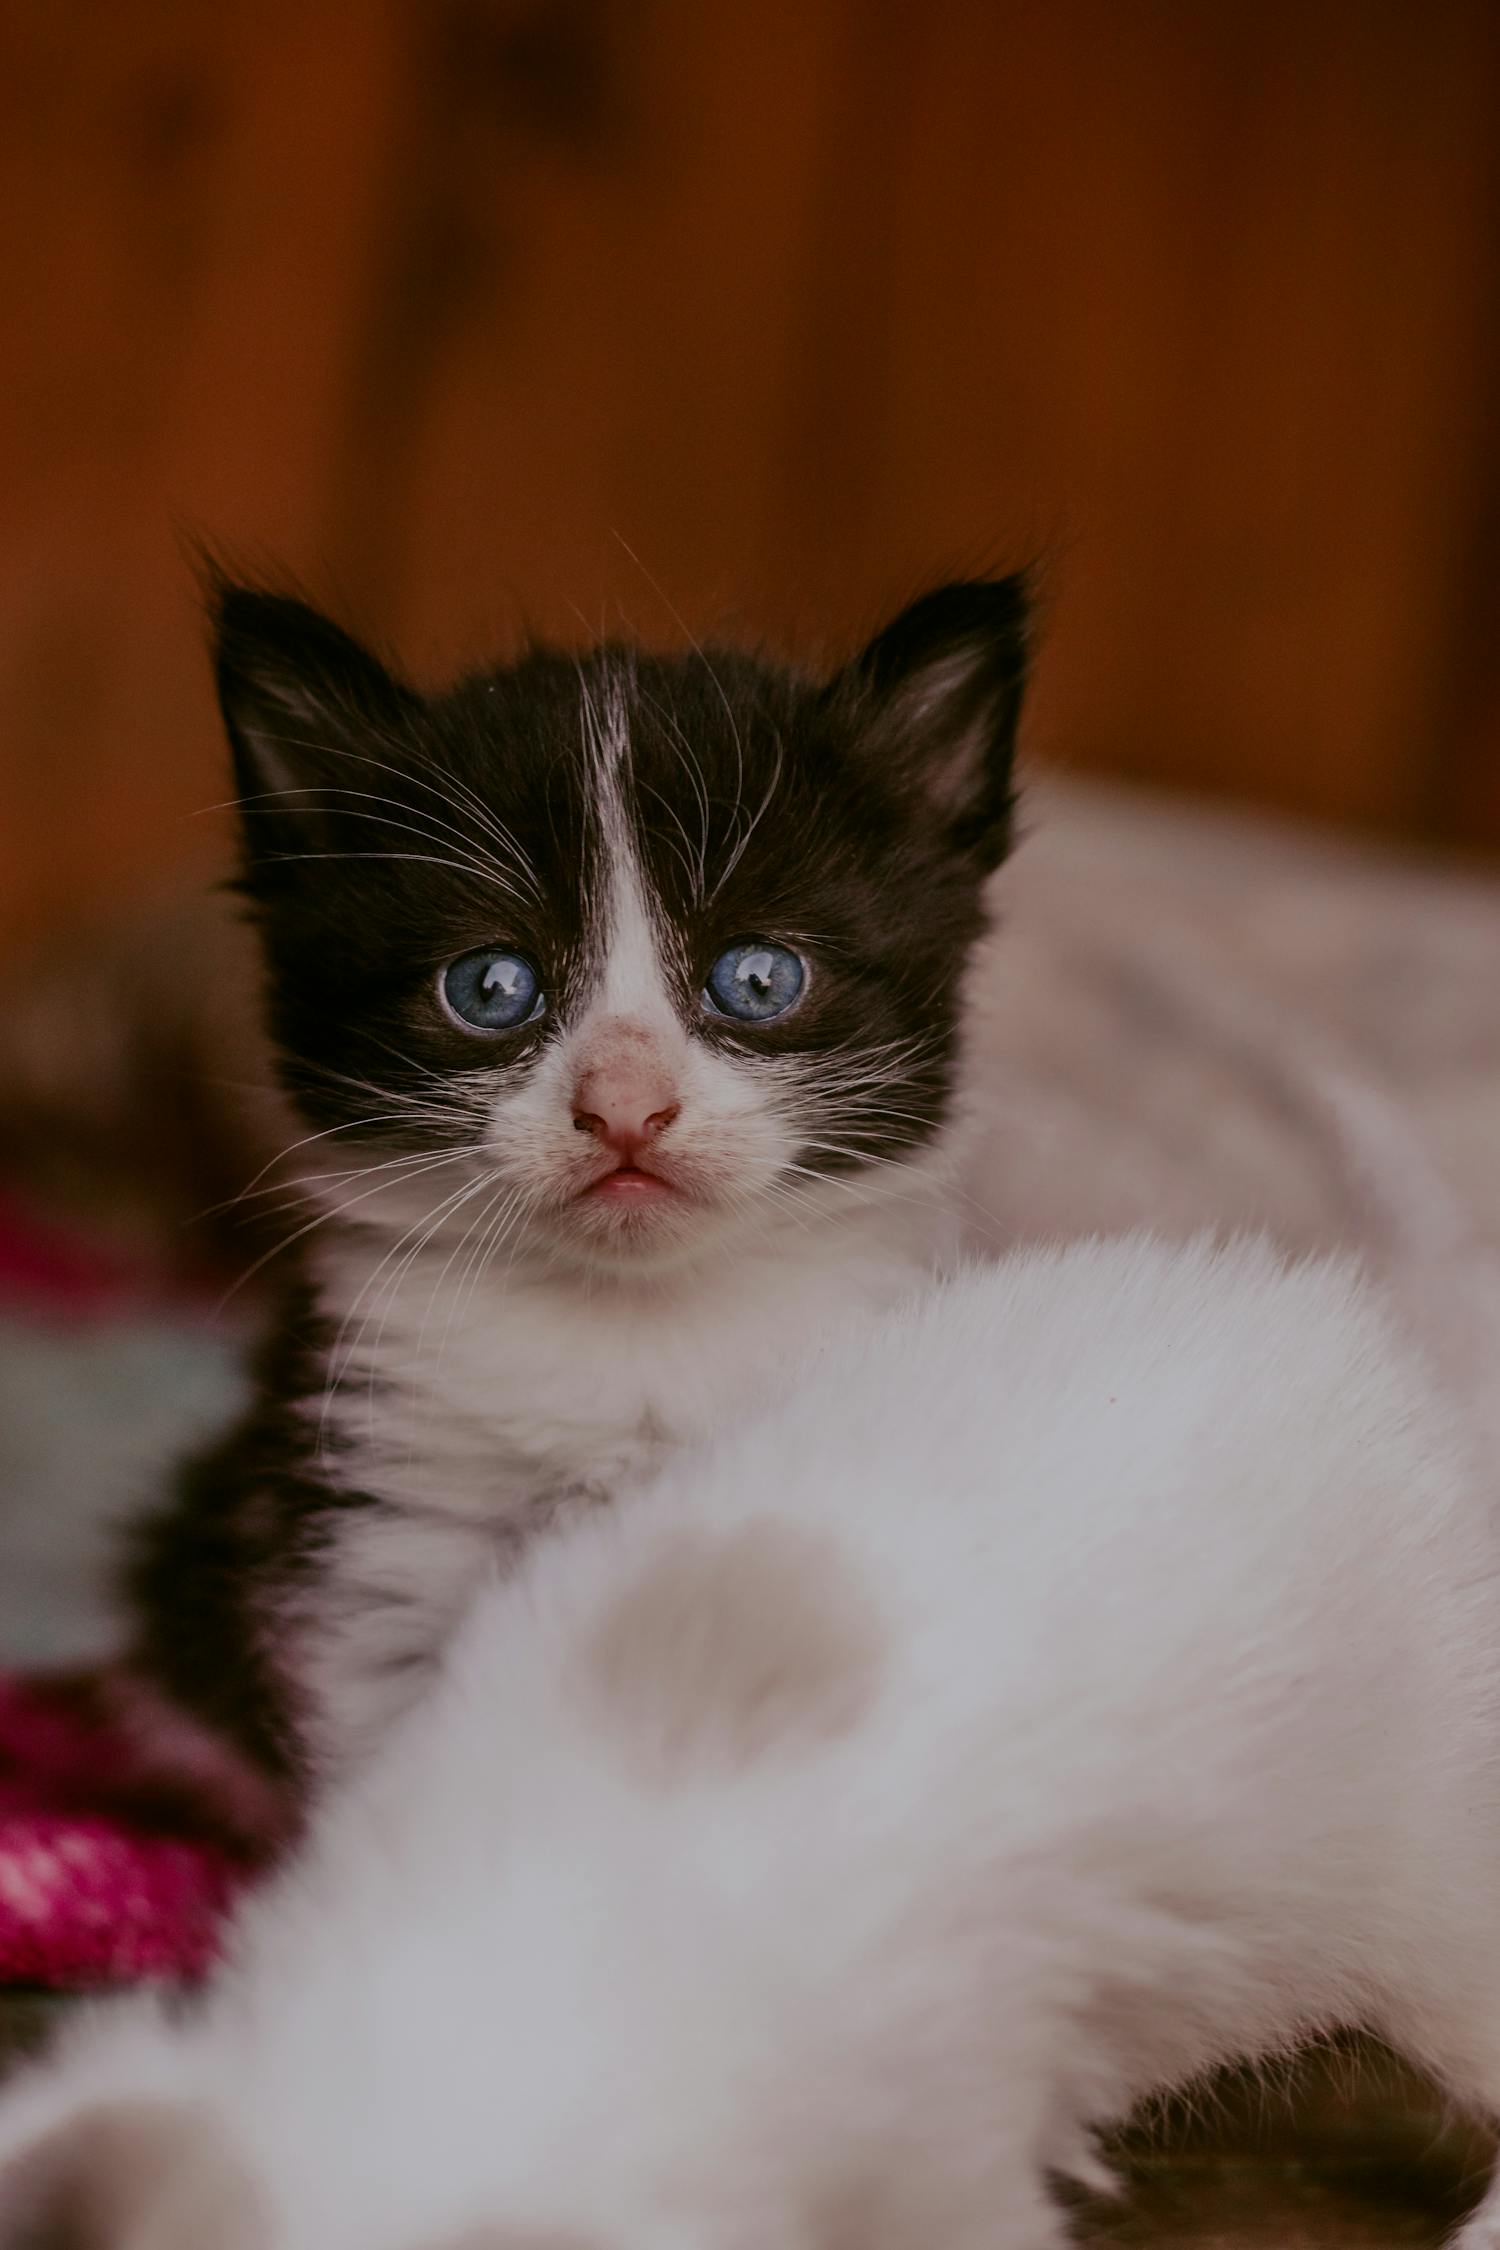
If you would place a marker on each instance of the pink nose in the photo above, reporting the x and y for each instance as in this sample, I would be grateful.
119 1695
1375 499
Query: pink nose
622 1109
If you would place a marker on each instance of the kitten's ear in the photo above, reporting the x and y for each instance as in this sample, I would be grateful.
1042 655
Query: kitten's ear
306 710
937 698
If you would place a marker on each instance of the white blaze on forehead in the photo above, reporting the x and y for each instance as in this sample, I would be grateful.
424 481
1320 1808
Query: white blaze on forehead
629 939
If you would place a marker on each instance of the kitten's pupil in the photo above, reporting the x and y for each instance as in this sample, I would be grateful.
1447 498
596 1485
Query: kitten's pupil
504 977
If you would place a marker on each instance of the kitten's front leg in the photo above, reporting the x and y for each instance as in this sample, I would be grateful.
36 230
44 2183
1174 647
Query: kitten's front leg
393 1584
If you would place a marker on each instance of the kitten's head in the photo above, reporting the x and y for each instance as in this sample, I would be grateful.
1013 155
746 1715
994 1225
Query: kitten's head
609 957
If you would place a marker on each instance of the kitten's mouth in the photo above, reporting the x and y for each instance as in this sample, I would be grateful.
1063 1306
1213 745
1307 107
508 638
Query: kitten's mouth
628 1187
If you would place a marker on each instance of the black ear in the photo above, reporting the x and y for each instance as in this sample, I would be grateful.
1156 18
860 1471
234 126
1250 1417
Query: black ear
313 719
937 700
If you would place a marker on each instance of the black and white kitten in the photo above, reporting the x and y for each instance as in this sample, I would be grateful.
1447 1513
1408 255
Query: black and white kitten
622 996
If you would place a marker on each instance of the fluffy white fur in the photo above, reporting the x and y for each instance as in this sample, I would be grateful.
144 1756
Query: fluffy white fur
1133 1705
491 1405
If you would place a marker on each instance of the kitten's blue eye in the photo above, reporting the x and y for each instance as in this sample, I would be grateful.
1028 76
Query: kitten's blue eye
755 982
491 990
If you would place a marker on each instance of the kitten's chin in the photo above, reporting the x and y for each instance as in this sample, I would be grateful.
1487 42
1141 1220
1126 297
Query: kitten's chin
644 1226
631 1190
636 1222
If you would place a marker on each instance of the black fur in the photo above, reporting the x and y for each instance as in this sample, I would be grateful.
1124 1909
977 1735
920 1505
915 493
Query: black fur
856 816
880 800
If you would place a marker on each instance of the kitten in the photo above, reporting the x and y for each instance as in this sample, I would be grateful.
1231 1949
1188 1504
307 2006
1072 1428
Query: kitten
1091 1673
622 999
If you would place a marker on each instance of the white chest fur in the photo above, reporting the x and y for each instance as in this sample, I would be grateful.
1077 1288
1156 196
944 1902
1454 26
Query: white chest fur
468 1414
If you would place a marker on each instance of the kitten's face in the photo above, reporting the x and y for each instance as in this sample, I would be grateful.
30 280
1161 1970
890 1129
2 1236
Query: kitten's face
608 959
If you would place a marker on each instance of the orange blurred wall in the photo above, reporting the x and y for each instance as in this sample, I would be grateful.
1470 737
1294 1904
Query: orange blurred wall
708 315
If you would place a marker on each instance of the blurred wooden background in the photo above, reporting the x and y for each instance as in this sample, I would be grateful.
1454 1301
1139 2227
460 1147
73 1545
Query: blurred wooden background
755 314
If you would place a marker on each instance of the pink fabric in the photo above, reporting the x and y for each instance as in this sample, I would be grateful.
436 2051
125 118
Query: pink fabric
86 1897
95 1888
